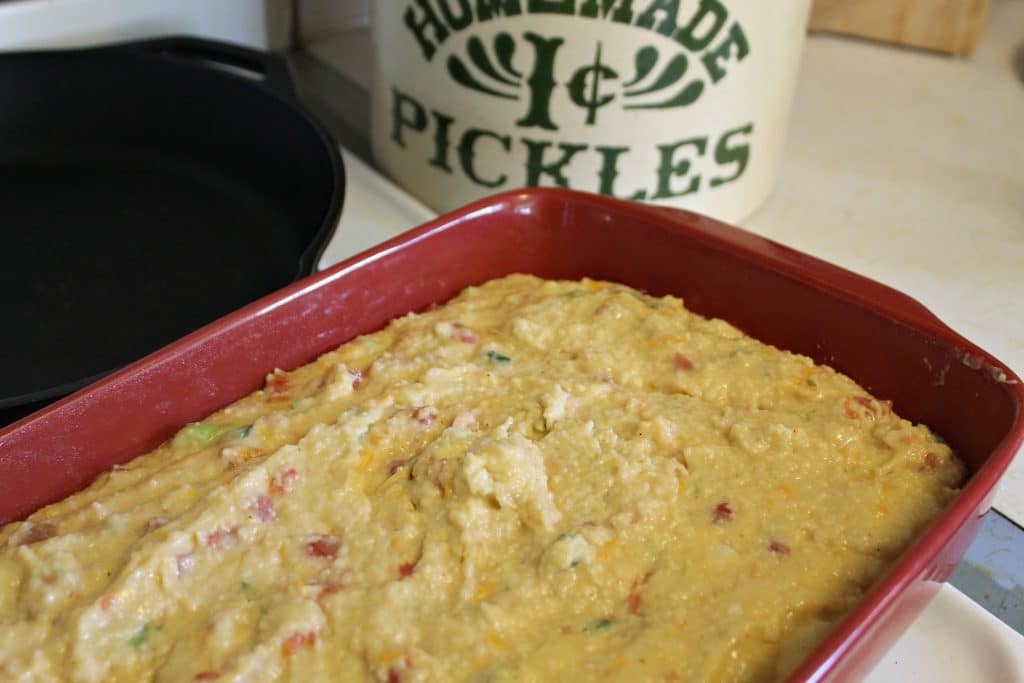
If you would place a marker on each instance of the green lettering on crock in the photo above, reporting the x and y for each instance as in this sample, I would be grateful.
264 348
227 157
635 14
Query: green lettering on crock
693 46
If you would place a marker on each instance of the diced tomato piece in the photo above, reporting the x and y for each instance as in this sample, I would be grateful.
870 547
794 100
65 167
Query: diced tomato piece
279 384
406 569
330 588
280 381
464 334
778 548
723 513
863 406
296 641
222 538
324 546
851 403
263 508
283 481
681 362
425 415
39 531
395 673
635 603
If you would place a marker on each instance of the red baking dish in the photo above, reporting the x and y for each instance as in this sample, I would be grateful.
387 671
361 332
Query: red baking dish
886 341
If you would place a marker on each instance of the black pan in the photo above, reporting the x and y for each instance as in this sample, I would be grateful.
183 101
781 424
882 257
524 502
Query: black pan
146 189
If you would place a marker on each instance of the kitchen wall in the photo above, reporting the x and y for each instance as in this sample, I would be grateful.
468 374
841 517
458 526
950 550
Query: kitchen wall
317 19
24 24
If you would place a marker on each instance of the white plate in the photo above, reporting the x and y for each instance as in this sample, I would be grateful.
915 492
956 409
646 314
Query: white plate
954 640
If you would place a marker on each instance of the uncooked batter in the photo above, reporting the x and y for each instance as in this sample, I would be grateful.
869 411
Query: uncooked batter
538 481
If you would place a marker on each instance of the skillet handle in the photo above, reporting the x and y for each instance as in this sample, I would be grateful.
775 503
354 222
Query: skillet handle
262 68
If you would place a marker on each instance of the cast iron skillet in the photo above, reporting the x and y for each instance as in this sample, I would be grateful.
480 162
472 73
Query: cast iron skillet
146 189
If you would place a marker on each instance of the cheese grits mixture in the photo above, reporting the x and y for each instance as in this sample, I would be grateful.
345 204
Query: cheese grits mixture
538 481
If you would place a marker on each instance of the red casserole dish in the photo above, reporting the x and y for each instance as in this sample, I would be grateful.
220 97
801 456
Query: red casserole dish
886 341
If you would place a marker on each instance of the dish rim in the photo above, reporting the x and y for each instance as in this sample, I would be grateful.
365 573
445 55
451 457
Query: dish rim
912 567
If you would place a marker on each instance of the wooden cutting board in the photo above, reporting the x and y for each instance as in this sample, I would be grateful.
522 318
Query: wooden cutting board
952 26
